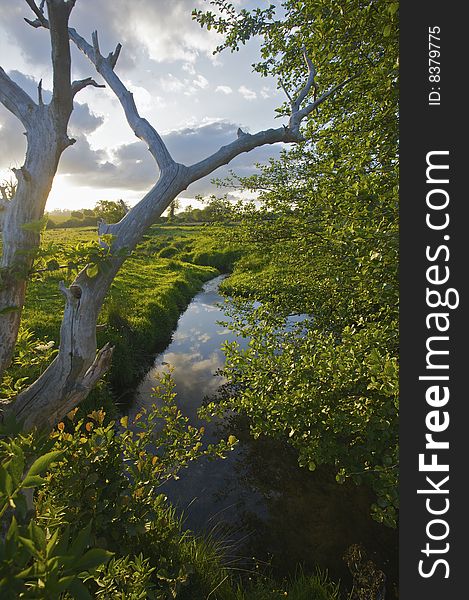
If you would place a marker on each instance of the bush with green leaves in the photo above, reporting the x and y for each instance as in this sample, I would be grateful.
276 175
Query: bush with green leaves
97 485
324 236
36 561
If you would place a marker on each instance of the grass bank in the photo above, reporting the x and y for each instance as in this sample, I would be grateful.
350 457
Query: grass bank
141 311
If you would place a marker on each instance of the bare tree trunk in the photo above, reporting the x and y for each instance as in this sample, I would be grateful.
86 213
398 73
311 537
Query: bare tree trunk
46 134
21 225
77 367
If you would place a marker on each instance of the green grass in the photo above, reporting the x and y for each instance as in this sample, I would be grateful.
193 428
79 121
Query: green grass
145 300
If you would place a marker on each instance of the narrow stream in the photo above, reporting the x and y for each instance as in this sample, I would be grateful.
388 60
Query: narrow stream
257 500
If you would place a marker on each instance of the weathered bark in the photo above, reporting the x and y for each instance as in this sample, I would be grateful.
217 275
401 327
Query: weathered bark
46 134
77 366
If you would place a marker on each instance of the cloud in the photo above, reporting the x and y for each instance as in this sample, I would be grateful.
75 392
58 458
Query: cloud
187 86
224 89
200 81
246 93
82 122
131 166
161 31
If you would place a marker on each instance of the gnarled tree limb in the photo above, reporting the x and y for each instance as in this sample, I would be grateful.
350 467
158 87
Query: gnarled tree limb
46 134
16 100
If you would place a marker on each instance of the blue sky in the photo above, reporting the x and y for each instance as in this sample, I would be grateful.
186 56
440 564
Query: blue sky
196 100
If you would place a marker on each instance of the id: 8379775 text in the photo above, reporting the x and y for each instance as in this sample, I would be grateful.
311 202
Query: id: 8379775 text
434 66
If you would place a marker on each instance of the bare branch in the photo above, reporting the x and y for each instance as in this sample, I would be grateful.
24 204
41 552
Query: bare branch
94 39
244 143
37 10
37 23
303 92
39 93
62 99
313 105
140 126
113 56
78 85
16 100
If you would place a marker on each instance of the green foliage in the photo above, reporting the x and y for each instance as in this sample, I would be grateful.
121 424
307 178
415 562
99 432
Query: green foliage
324 243
127 578
111 211
217 210
98 486
113 478
35 561
31 357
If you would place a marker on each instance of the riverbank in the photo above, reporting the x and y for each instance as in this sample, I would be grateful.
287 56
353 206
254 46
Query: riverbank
152 289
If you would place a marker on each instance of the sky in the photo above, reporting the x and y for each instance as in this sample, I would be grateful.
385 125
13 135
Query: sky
196 100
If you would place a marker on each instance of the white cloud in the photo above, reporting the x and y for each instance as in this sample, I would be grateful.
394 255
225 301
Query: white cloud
189 68
143 99
170 83
267 92
224 89
246 93
200 81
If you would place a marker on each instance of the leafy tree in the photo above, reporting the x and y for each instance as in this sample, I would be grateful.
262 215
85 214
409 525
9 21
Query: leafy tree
110 211
325 244
172 209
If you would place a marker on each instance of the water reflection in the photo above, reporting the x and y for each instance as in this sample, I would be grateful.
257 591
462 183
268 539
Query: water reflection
194 353
258 496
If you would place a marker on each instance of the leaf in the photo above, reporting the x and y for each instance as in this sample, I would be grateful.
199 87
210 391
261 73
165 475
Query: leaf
41 464
79 590
52 542
92 270
16 464
82 541
93 558
232 440
29 545
60 547
37 536
32 481
6 483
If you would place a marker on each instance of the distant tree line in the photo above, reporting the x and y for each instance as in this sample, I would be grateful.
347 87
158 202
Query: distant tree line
216 210
112 211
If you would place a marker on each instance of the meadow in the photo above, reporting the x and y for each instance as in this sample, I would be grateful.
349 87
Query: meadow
152 289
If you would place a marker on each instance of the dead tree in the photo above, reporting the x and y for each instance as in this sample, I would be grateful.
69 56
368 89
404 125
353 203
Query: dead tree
46 134
78 365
